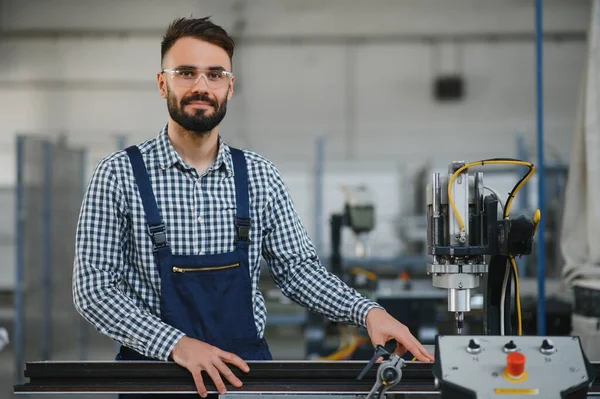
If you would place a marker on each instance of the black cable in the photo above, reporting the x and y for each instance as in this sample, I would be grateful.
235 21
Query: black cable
509 317
514 189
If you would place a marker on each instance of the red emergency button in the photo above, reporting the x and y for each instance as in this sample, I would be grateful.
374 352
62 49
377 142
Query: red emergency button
515 364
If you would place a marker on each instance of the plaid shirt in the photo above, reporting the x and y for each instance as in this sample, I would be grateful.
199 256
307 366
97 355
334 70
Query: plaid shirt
116 285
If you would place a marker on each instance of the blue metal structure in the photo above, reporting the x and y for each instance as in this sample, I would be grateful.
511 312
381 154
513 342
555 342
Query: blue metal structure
541 250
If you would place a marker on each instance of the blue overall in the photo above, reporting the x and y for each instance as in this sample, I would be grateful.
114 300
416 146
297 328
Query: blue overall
207 297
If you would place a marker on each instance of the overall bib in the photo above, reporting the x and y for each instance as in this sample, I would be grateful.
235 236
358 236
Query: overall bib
207 297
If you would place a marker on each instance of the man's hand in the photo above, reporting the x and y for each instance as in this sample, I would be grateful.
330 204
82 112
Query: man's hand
382 327
198 356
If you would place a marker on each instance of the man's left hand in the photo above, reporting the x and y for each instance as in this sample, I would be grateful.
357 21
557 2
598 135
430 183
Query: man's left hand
382 327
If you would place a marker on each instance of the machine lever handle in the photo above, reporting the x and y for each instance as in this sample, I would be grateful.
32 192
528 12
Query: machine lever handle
380 351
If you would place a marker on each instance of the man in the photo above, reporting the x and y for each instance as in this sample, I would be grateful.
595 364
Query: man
171 233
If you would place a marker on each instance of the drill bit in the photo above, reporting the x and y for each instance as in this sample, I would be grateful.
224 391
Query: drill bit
460 322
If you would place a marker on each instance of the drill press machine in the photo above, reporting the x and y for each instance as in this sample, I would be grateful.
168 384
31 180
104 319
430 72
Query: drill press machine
468 242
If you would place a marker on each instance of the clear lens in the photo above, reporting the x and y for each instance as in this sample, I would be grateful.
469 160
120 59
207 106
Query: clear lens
190 77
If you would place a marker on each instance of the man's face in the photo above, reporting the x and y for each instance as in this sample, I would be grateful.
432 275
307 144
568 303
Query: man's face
197 106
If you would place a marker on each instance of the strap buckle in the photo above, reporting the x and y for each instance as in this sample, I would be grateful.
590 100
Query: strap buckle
158 234
243 228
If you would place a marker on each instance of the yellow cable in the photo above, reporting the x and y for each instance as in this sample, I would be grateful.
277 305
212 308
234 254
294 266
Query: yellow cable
343 343
461 224
369 275
536 219
345 352
350 349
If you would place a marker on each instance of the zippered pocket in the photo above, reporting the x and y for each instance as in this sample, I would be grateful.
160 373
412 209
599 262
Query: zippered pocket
177 269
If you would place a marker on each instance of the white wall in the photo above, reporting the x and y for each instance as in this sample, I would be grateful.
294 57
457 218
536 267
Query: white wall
88 68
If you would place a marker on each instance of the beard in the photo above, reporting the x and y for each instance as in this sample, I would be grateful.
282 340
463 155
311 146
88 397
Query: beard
197 122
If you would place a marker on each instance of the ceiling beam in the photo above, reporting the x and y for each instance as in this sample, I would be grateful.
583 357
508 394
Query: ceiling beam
316 39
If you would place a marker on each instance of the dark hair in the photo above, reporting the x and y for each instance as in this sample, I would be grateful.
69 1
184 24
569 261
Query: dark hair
200 28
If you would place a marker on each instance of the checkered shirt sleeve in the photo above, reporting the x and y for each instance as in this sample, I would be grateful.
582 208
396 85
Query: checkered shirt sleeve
296 268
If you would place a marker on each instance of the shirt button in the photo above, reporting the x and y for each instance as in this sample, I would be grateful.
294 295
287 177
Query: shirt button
200 219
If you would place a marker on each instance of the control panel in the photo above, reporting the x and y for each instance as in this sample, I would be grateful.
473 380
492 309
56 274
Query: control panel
511 367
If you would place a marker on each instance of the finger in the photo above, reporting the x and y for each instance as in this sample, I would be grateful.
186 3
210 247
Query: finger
199 382
430 355
418 351
228 374
423 352
400 350
234 359
414 346
216 377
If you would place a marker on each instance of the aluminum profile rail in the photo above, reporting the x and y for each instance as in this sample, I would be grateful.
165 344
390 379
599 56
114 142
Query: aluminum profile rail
269 377
266 377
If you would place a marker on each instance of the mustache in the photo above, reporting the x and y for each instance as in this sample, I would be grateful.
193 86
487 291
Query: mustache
198 97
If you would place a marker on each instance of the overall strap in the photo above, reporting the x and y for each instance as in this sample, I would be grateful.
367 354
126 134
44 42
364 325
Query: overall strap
242 217
156 227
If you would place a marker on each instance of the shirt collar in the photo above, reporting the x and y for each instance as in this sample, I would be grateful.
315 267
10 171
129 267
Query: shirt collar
167 156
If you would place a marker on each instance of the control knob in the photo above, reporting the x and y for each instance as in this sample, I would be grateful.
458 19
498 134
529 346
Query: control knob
547 347
510 347
474 346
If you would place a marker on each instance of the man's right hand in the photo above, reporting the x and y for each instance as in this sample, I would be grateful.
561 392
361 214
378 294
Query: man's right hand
198 356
